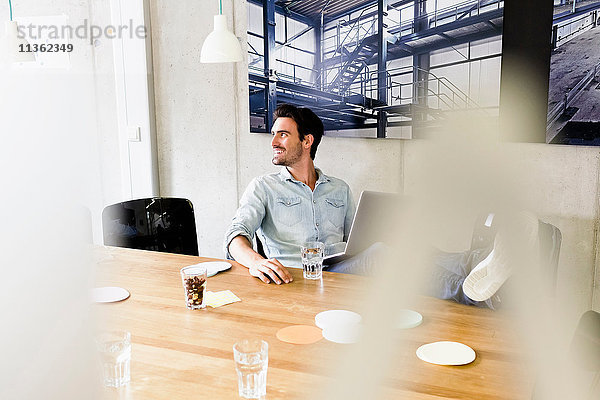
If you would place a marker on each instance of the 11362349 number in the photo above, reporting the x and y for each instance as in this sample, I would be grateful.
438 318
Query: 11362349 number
45 48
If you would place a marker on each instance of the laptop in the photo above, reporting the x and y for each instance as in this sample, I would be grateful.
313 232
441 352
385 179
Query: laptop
373 222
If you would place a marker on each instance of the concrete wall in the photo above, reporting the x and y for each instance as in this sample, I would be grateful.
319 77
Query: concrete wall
196 118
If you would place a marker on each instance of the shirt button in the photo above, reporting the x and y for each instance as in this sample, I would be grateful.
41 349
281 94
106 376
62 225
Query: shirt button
314 202
317 224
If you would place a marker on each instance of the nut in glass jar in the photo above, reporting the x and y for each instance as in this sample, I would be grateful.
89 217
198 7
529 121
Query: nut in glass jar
193 279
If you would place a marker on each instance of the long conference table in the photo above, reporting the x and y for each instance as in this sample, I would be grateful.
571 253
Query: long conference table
183 354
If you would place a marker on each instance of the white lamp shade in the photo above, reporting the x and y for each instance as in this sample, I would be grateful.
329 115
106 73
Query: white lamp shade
13 42
221 45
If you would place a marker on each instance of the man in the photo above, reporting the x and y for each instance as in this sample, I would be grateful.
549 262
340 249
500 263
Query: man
301 204
297 205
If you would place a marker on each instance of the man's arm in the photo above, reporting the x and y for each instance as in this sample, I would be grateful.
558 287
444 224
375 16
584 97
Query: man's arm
238 237
350 210
257 265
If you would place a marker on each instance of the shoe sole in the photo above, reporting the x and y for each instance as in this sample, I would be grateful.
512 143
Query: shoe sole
488 286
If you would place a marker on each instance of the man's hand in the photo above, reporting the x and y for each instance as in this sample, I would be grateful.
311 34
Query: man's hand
266 270
270 268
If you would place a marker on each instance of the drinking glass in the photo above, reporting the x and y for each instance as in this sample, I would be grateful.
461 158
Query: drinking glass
312 260
114 349
194 285
251 362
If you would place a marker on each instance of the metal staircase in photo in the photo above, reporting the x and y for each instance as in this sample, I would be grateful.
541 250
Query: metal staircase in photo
447 27
343 90
438 95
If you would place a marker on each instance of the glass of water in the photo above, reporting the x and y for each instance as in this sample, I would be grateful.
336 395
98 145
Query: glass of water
114 349
251 361
312 260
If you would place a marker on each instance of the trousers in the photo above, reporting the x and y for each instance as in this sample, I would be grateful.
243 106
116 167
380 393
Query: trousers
448 272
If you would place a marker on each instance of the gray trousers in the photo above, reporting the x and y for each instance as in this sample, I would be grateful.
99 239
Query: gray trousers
448 273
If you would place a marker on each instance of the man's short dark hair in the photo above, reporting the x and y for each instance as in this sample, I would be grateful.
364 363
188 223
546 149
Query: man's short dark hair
307 121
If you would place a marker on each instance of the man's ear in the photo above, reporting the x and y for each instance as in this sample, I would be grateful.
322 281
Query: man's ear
308 140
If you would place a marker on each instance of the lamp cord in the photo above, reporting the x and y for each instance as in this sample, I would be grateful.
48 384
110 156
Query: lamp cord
220 6
10 9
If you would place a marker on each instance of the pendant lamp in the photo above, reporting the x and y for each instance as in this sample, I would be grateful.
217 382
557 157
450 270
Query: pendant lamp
221 45
14 42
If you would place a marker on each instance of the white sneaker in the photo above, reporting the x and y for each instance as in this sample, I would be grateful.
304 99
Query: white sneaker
490 274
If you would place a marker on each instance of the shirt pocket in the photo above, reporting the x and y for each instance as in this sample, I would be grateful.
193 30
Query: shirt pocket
288 210
336 211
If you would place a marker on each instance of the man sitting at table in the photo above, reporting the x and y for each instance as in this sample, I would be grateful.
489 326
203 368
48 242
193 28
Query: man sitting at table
297 205
301 204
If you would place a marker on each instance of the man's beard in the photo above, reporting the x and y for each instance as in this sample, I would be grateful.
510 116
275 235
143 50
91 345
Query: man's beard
290 157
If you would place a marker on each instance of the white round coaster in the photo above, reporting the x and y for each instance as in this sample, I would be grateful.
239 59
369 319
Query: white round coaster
329 318
345 334
213 267
109 294
407 319
446 353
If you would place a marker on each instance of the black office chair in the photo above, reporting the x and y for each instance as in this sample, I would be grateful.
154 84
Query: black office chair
550 241
484 233
585 348
260 249
158 224
585 357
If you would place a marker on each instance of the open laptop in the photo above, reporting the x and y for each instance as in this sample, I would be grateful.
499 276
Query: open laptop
373 222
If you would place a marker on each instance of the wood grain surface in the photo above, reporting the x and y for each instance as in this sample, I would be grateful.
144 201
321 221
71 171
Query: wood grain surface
183 354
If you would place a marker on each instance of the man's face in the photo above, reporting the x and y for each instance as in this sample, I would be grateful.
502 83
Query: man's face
286 144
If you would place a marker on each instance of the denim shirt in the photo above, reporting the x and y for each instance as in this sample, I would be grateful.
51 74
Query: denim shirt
285 213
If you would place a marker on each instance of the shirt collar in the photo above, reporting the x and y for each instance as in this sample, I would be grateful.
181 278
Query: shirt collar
285 175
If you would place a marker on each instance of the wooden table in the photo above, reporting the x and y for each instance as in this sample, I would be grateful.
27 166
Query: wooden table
183 354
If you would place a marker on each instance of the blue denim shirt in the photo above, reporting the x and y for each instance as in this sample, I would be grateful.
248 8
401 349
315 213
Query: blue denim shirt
285 213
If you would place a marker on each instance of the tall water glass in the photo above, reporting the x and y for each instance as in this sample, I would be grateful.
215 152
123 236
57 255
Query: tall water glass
251 361
114 349
312 260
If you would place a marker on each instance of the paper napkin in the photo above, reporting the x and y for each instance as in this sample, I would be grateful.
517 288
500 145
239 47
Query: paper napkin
218 299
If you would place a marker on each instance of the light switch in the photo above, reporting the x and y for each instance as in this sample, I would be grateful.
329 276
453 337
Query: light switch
134 133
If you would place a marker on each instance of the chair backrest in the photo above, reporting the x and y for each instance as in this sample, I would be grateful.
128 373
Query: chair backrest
585 349
550 241
157 223
484 231
585 346
581 376
260 249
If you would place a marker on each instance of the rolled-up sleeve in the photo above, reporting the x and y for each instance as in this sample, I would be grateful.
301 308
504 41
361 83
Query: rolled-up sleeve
350 210
249 215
